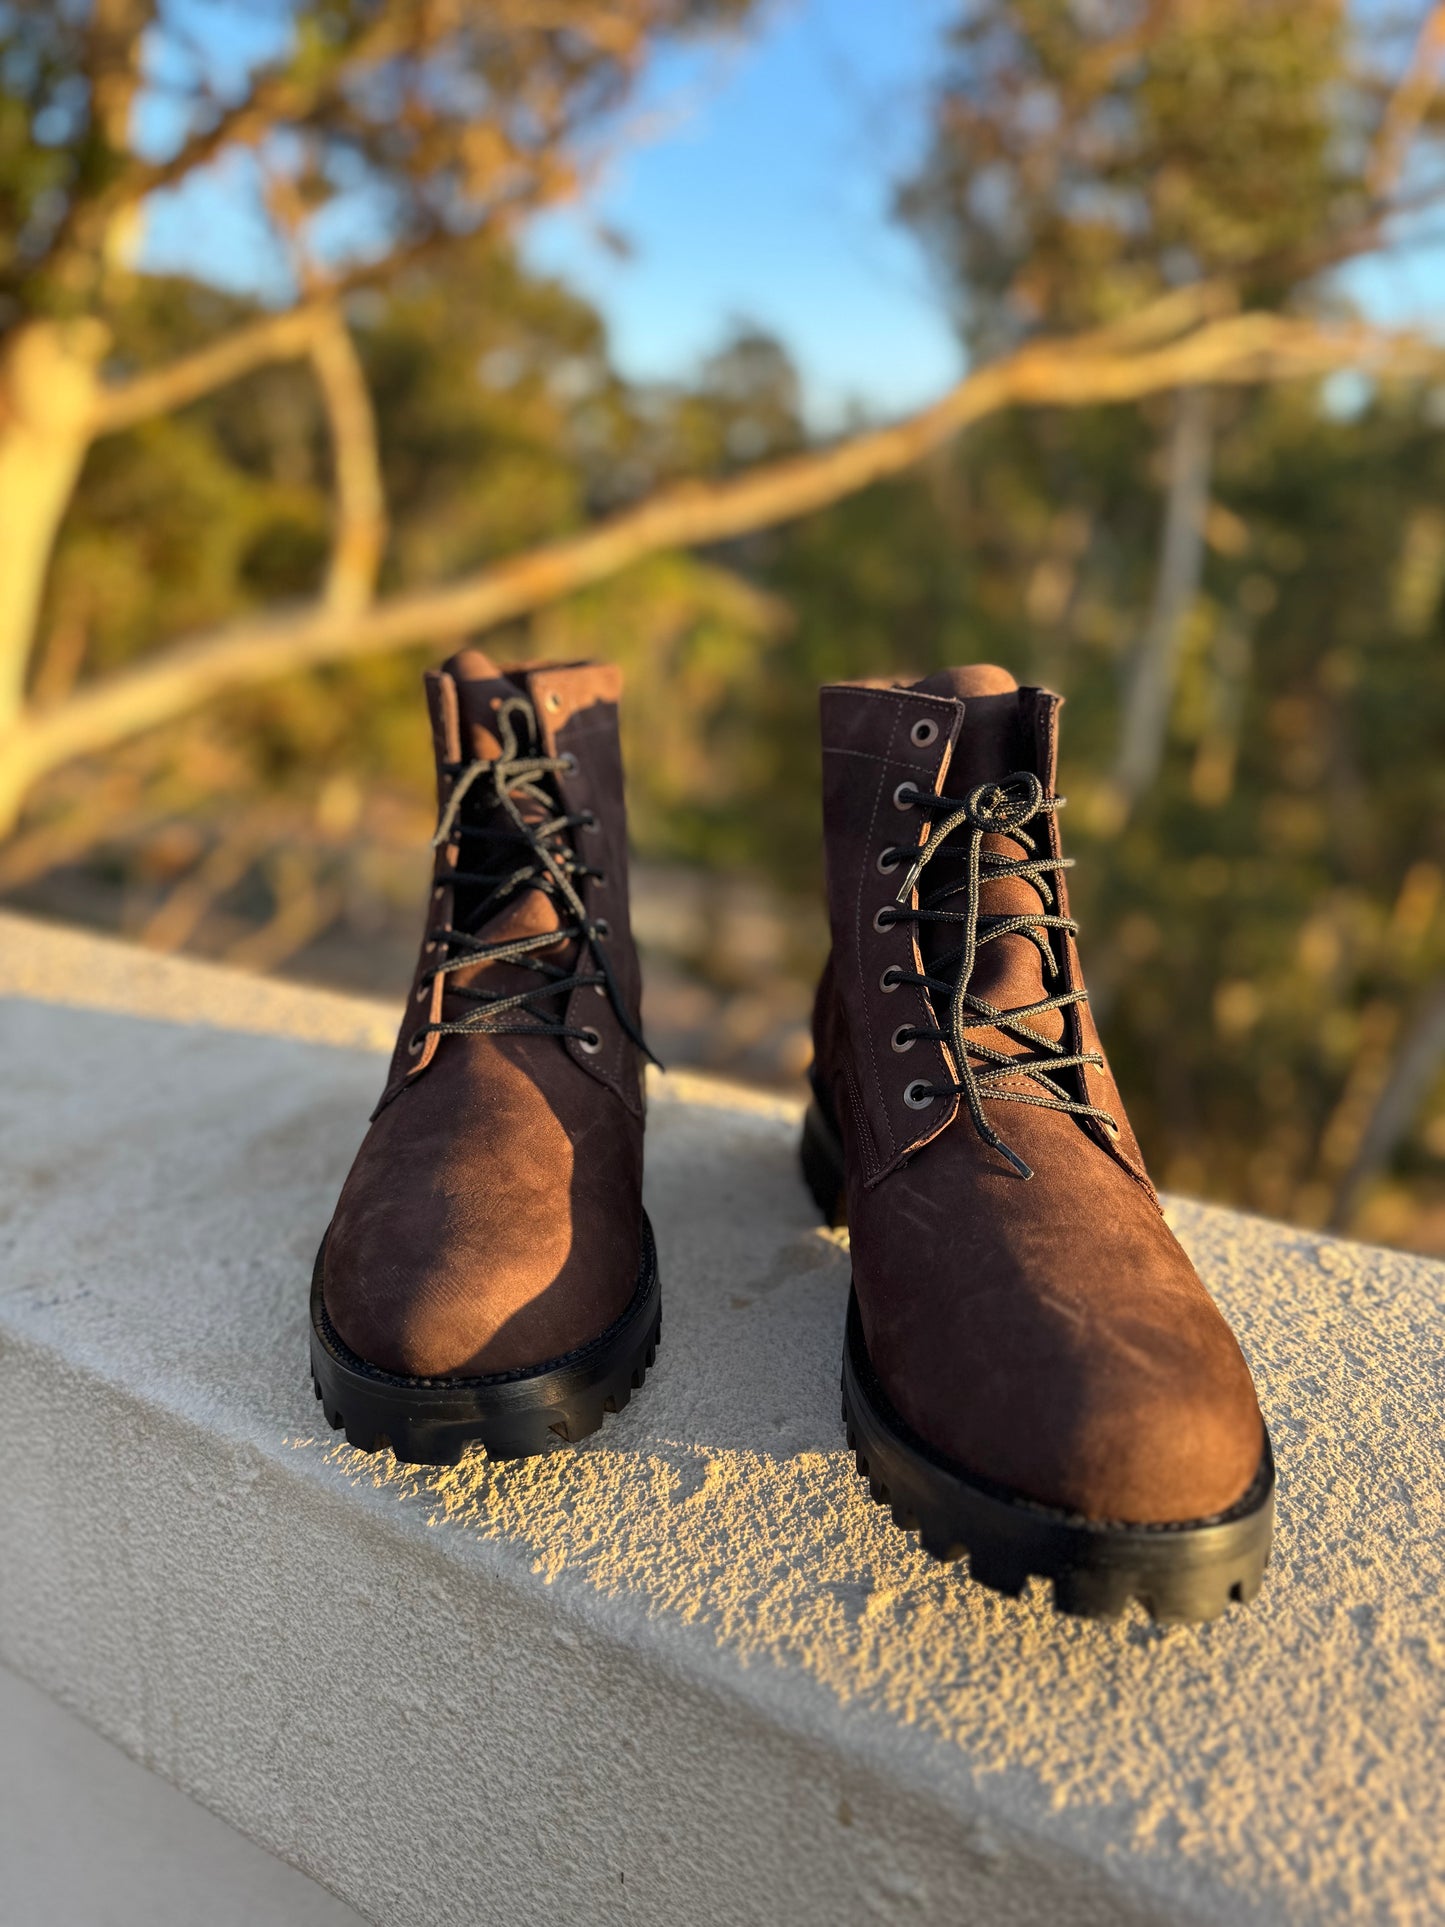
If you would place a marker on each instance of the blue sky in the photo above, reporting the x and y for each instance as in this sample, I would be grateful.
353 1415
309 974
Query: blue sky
763 194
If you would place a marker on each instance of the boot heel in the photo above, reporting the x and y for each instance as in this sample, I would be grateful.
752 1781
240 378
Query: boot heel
821 1156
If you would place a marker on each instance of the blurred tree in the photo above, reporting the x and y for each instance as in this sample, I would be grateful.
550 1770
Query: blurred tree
374 136
1088 158
1264 910
1080 163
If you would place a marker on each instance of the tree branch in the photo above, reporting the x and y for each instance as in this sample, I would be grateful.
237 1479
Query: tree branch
1406 106
360 528
275 337
1238 349
284 336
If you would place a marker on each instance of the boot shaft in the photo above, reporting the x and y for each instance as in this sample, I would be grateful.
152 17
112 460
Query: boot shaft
567 713
950 735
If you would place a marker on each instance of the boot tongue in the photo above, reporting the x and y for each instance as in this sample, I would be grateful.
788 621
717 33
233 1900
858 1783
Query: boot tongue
992 744
991 741
482 688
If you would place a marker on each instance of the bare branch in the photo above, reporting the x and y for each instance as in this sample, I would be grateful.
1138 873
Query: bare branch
218 872
274 98
284 336
275 337
360 531
1405 108
1239 349
304 908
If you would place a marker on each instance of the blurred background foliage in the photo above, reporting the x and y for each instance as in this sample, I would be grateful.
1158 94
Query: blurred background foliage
1254 743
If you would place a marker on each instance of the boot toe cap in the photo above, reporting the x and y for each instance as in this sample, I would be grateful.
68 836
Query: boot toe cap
444 1306
1166 1434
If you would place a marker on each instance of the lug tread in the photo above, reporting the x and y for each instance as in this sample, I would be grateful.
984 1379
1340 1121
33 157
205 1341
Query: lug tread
1080 1594
420 1444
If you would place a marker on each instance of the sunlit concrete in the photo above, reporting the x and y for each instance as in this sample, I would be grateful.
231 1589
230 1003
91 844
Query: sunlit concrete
685 1675
90 1839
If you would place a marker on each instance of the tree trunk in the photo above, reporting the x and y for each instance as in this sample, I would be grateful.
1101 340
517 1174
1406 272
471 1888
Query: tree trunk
48 387
1150 694
1410 1078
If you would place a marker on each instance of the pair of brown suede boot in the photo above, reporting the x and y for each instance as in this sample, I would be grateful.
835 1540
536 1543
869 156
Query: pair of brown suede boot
1033 1373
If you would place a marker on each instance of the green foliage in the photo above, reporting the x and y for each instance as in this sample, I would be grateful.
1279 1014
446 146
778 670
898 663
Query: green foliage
1086 157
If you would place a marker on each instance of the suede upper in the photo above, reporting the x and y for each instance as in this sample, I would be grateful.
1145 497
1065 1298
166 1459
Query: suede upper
492 1219
1048 1334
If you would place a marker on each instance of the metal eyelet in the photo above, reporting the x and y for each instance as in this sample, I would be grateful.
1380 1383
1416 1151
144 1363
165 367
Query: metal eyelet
905 796
554 701
889 981
599 879
886 918
567 763
602 927
416 1043
923 732
423 991
590 1041
438 893
889 860
903 1038
430 946
918 1095
600 989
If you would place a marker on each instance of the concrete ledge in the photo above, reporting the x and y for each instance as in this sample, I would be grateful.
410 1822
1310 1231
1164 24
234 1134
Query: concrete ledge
90 1839
686 1675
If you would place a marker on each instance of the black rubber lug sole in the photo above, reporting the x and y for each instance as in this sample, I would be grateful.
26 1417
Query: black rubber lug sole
512 1415
1186 1572
1192 1571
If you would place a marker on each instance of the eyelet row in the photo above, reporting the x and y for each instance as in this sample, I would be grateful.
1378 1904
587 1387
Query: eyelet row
919 1094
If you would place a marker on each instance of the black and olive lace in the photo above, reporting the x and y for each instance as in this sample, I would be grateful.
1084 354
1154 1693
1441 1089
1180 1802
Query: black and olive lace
983 1072
512 837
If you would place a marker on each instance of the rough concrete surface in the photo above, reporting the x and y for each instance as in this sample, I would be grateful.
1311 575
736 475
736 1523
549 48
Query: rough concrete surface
686 1673
90 1839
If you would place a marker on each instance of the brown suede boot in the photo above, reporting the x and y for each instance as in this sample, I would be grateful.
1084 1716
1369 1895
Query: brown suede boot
489 1275
1033 1373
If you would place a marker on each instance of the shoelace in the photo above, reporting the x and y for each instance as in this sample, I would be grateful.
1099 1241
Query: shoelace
992 809
546 861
